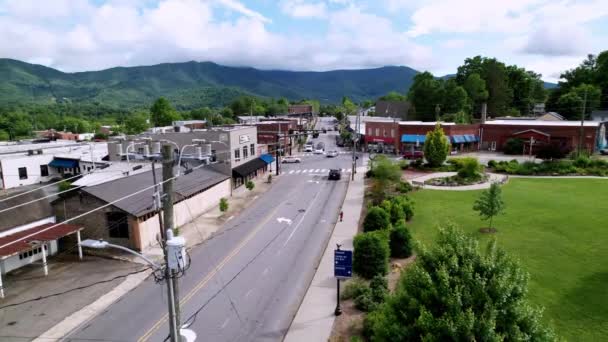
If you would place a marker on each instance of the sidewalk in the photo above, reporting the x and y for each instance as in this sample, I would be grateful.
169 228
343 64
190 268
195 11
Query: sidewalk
315 317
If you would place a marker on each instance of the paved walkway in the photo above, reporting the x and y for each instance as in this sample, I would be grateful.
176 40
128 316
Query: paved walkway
315 317
493 178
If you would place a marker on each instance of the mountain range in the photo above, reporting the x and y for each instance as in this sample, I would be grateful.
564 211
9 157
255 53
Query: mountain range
192 84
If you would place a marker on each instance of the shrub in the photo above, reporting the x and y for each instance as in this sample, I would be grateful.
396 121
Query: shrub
400 241
376 219
582 161
513 146
406 205
492 163
469 168
551 151
432 304
371 254
353 288
223 204
385 170
436 146
365 301
64 186
417 163
249 185
379 289
403 187
369 173
404 164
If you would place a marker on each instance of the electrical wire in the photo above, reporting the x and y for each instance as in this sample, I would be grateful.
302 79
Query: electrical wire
75 288
96 209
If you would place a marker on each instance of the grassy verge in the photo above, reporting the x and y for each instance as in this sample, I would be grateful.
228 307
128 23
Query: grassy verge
557 229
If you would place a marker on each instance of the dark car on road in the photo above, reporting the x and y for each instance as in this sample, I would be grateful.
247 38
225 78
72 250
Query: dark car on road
604 151
335 174
413 155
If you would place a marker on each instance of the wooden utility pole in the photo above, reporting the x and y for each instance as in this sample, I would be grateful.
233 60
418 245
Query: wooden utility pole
582 132
166 224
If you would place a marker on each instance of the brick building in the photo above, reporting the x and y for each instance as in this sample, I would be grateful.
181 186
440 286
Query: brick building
491 135
270 131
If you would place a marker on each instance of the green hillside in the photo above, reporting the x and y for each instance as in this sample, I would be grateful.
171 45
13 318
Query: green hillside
192 84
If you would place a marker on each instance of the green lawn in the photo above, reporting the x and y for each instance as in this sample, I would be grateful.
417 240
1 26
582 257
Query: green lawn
558 229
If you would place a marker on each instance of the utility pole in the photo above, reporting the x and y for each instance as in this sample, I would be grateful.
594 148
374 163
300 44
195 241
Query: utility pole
355 140
582 132
167 217
276 152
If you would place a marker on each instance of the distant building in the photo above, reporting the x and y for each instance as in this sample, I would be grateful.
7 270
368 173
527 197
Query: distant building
539 109
599 115
551 116
393 109
301 110
188 125
27 164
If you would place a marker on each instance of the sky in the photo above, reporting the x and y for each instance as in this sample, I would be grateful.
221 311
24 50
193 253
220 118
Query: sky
547 36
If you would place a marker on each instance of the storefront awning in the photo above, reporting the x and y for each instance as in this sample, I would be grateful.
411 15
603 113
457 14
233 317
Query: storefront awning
470 138
62 163
267 158
413 138
458 139
248 168
16 243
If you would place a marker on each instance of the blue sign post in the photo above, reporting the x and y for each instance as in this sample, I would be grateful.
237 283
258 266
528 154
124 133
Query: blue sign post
343 269
343 264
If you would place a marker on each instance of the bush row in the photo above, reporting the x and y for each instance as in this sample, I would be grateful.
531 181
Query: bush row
578 166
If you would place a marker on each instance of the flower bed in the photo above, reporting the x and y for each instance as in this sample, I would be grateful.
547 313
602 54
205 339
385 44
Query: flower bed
581 166
456 180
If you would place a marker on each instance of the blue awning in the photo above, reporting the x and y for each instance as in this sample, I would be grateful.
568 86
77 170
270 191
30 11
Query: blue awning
267 158
61 163
413 138
470 138
458 139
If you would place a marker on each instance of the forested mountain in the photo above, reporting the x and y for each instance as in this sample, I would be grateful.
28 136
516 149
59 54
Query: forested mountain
192 84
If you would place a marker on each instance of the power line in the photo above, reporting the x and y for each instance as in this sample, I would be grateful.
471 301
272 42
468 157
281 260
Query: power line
74 289
95 209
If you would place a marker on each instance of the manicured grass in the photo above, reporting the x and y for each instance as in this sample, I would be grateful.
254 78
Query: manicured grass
557 229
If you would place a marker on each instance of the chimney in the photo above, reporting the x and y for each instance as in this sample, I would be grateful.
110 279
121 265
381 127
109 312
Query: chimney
484 112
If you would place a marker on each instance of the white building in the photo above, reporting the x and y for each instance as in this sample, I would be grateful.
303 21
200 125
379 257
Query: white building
27 164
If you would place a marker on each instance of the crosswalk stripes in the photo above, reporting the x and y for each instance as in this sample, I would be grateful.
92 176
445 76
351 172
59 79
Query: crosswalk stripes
312 172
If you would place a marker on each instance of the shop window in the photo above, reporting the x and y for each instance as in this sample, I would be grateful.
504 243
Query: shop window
245 152
44 170
377 132
237 154
392 132
252 147
22 173
118 225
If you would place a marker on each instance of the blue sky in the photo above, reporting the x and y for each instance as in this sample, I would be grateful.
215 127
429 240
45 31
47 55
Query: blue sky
547 36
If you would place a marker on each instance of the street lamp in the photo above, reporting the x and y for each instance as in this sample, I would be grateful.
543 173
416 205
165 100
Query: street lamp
101 244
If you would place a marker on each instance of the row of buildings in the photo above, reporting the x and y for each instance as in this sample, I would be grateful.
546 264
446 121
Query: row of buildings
212 163
492 135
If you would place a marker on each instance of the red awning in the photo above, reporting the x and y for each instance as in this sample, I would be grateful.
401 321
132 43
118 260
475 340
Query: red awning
11 244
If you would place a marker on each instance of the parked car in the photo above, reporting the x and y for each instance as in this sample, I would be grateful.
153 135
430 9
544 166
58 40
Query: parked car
332 154
604 151
308 148
290 159
335 174
324 130
319 151
413 155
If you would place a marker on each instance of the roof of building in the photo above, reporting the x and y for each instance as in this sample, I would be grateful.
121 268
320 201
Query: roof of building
77 151
40 233
247 168
113 171
184 186
541 123
551 114
426 123
35 211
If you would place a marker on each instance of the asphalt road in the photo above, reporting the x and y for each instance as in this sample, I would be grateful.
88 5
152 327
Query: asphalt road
246 283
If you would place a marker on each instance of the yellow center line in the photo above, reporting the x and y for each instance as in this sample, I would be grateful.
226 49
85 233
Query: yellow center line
205 280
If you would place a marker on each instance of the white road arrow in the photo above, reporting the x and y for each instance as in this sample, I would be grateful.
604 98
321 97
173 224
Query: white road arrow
313 181
283 219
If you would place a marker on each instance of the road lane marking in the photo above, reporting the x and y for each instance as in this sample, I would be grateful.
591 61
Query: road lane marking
230 218
302 219
225 323
298 171
290 172
317 170
209 276
265 271
248 293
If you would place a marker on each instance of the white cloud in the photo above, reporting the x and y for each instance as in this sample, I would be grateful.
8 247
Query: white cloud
558 41
304 9
454 43
129 33
239 7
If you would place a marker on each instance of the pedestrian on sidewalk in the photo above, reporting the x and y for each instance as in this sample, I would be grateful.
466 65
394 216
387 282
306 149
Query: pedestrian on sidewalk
341 215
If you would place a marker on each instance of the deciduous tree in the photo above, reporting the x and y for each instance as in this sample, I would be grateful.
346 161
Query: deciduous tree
490 203
436 146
